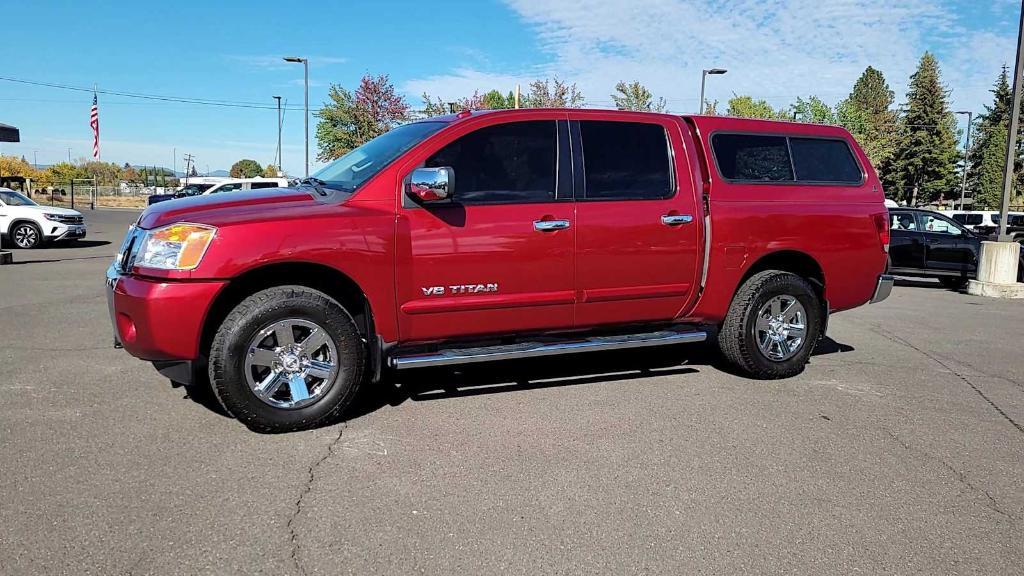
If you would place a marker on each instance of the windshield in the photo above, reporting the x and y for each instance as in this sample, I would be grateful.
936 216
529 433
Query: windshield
12 198
352 169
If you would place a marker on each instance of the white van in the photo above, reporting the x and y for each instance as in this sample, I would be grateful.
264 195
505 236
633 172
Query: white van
971 218
247 184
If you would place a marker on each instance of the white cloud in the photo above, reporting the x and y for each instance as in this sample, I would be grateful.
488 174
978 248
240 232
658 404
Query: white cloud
773 49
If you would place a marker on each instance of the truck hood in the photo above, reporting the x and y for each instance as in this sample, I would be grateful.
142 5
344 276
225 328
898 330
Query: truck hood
53 210
230 207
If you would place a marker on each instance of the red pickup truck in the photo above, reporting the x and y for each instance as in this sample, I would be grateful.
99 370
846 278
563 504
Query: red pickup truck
503 235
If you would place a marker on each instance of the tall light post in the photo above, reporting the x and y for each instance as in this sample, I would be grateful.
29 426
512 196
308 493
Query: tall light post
967 148
305 66
703 79
1008 177
279 161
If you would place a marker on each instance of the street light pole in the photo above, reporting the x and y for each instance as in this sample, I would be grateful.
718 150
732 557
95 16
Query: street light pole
1011 138
703 79
305 65
279 161
967 148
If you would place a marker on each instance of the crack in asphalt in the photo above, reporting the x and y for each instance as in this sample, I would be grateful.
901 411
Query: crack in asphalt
311 474
898 340
960 476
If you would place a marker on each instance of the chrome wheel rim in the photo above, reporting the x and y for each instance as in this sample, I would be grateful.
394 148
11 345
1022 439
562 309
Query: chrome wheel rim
781 327
291 363
25 236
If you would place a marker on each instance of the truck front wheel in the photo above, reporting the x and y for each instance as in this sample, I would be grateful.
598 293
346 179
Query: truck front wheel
287 358
772 325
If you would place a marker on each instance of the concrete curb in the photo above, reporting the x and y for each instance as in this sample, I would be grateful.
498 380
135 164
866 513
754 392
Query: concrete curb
995 289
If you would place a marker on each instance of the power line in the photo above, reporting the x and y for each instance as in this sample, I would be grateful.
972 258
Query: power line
182 99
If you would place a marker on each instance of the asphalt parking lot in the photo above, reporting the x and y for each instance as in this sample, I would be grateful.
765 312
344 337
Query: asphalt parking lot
899 450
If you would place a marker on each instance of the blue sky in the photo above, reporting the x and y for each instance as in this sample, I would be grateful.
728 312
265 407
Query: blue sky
773 49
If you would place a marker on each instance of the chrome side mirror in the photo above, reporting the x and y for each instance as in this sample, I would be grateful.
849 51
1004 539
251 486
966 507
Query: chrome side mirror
430 184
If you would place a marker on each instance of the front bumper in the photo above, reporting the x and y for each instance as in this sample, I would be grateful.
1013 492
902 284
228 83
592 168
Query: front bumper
158 320
57 232
883 288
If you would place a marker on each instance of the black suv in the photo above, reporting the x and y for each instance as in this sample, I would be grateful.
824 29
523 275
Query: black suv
928 244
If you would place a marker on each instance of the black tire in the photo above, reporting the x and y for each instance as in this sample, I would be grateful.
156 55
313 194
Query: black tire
228 352
736 337
26 235
954 282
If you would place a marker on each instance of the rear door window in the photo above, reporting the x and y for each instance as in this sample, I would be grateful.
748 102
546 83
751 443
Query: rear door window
822 160
261 185
625 160
752 157
903 221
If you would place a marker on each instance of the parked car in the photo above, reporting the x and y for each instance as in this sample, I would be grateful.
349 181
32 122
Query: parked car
29 225
191 189
227 186
972 218
1014 227
929 244
504 235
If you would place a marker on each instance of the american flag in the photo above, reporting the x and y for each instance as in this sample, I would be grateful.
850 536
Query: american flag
94 122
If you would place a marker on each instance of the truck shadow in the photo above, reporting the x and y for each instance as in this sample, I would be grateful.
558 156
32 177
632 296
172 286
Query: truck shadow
429 384
510 377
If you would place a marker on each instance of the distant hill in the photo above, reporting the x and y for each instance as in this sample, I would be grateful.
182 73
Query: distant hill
221 173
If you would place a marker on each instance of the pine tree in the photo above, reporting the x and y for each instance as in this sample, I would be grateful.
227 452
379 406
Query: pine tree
867 113
988 152
923 165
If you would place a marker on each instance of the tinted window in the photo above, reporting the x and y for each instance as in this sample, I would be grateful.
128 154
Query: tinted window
969 219
259 185
512 162
752 157
625 160
822 160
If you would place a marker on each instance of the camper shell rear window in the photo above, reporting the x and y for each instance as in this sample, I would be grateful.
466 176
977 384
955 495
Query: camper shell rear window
785 159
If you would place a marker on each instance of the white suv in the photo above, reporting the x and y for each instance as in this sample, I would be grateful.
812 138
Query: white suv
28 225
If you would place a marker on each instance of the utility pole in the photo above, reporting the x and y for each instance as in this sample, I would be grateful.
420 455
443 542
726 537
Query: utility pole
1011 138
189 159
279 161
35 161
517 96
69 155
967 149
174 160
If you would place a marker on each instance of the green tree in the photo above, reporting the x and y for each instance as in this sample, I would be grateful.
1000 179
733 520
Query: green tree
987 157
867 113
494 100
351 119
923 164
814 111
635 96
747 107
552 93
62 173
246 168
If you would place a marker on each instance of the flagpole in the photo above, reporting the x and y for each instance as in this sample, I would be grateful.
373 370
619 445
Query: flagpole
99 150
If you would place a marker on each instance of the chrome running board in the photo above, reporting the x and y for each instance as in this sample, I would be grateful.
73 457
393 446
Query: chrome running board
450 356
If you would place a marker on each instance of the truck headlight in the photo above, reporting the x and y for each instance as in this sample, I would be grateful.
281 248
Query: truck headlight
175 247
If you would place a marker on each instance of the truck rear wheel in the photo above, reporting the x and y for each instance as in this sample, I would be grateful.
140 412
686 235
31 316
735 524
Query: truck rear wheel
287 358
772 325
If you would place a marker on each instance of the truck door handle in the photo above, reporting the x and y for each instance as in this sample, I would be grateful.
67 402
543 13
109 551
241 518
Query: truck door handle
676 219
550 225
